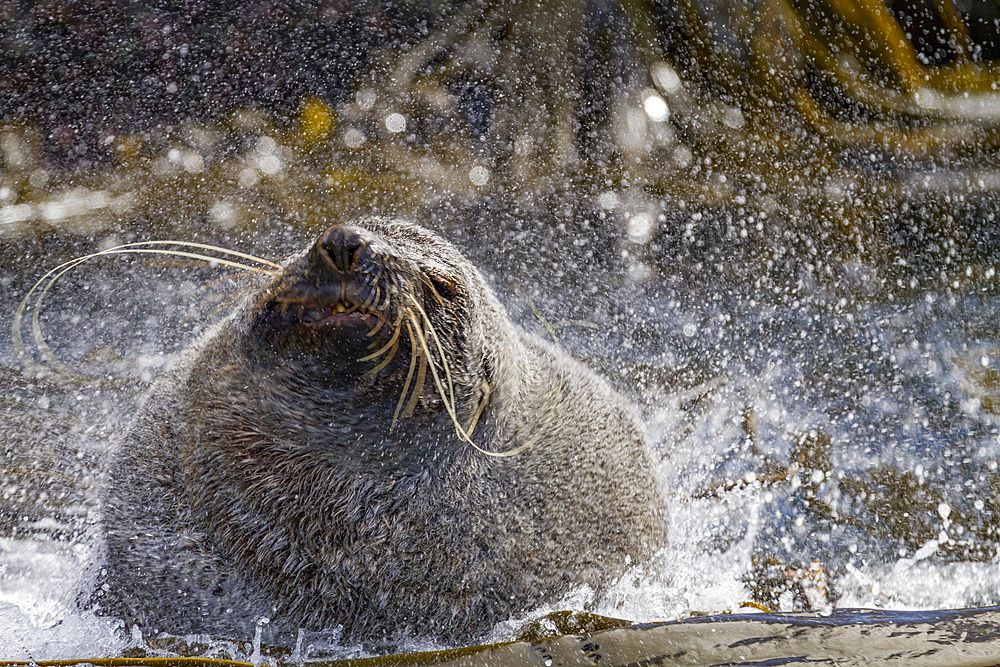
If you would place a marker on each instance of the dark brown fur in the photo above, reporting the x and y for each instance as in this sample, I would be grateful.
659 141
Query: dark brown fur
265 477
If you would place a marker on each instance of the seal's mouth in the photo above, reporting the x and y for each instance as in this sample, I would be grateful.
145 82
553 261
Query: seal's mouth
319 315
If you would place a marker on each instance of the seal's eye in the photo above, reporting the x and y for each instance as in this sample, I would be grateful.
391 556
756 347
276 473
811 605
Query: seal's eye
444 287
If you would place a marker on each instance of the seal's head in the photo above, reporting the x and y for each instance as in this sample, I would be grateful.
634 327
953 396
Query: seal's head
373 320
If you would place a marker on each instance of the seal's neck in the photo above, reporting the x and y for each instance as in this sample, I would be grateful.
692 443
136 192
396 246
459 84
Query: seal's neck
323 419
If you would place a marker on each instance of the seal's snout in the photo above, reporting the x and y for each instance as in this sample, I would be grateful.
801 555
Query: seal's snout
334 289
341 246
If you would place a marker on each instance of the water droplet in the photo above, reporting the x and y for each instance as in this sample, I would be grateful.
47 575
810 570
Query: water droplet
733 118
248 177
365 98
192 162
353 137
656 108
640 227
269 164
223 213
607 200
266 144
666 77
479 175
395 123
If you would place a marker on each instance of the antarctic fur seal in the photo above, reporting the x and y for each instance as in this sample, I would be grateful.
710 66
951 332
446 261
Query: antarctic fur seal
368 441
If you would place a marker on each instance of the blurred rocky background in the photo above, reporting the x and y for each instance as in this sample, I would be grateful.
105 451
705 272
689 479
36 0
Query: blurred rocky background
668 125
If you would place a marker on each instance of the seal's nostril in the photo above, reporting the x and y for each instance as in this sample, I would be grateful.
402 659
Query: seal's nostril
341 245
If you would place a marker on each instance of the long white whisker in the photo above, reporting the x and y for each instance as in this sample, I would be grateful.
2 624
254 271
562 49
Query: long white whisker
462 433
448 405
203 246
409 375
418 385
440 348
53 275
392 341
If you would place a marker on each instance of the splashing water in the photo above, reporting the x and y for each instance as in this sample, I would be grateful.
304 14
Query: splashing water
899 390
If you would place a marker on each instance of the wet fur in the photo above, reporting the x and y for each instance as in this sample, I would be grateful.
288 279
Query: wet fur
246 488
